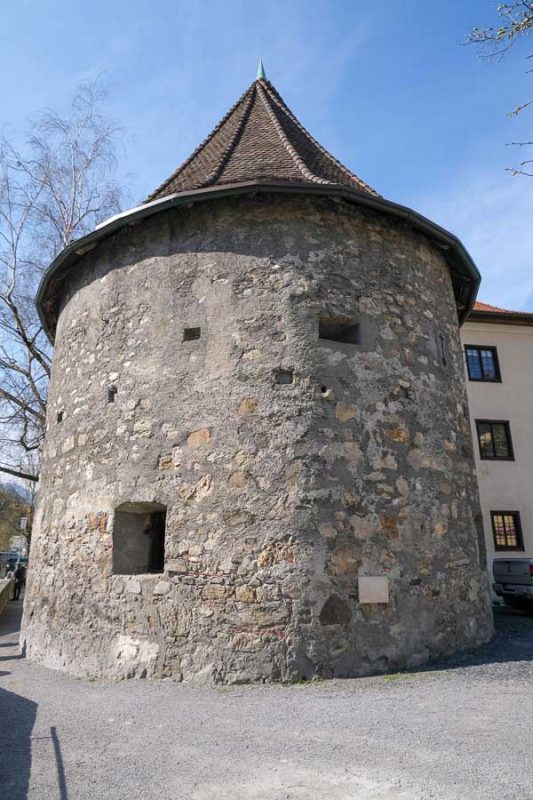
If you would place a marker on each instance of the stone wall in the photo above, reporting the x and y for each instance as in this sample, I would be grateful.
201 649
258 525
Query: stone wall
290 466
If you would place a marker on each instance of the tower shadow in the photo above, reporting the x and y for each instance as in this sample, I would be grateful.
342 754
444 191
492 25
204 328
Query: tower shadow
17 715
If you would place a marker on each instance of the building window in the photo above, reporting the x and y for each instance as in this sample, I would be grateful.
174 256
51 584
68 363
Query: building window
482 363
494 440
345 331
139 539
507 530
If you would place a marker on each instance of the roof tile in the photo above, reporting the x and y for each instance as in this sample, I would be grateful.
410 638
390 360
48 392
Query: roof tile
259 139
497 310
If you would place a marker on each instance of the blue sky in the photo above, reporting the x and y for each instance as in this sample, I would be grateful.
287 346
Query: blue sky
386 86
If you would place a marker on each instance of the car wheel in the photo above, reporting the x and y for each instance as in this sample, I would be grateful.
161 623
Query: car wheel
518 603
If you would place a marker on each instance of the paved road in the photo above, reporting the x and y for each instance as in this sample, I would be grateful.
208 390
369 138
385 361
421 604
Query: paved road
462 729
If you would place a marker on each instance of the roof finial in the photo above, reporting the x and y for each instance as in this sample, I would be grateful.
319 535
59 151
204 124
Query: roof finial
261 72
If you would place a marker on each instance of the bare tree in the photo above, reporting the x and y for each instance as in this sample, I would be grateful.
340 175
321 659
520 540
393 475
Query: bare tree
53 191
516 21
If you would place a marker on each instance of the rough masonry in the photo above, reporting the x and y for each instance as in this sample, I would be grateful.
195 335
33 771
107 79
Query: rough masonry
268 387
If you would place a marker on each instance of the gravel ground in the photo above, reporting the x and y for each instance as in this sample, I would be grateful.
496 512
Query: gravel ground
458 729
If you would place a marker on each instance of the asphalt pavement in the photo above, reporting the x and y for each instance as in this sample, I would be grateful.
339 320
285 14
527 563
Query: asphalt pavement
460 728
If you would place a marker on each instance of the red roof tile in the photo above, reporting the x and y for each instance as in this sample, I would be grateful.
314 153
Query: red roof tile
497 310
259 139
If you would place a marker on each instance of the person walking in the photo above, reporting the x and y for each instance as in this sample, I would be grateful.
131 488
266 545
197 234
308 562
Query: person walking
20 579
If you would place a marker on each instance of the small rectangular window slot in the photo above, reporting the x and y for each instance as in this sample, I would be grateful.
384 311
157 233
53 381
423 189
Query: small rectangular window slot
284 376
111 394
339 330
191 334
60 415
443 349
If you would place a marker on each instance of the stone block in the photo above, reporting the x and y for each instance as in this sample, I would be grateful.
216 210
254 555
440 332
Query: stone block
238 480
345 411
199 437
345 560
397 435
165 462
389 523
327 530
176 565
248 406
197 491
215 591
162 588
335 611
245 594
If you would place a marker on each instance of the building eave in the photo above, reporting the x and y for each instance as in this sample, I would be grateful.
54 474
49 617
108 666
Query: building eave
500 318
465 275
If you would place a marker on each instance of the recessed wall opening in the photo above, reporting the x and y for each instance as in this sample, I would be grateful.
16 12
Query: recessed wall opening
139 539
443 350
60 415
342 330
111 394
191 334
284 376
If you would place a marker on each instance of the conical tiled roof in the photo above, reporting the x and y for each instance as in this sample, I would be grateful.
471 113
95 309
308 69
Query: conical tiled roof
259 139
259 146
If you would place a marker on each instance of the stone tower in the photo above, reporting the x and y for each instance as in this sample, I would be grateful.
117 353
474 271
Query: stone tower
258 462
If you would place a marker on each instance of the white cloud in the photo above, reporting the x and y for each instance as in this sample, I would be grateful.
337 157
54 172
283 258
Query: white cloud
492 214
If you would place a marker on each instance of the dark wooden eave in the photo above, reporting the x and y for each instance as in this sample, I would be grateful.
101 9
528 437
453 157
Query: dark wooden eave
501 317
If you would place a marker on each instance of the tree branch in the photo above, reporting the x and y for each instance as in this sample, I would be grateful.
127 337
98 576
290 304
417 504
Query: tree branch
18 474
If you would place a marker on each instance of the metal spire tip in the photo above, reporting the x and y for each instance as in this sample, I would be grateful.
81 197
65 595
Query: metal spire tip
261 76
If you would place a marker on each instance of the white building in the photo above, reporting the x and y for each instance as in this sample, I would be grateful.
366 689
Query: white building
498 347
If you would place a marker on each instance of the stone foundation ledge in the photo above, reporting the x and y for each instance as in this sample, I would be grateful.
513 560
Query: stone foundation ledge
6 590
